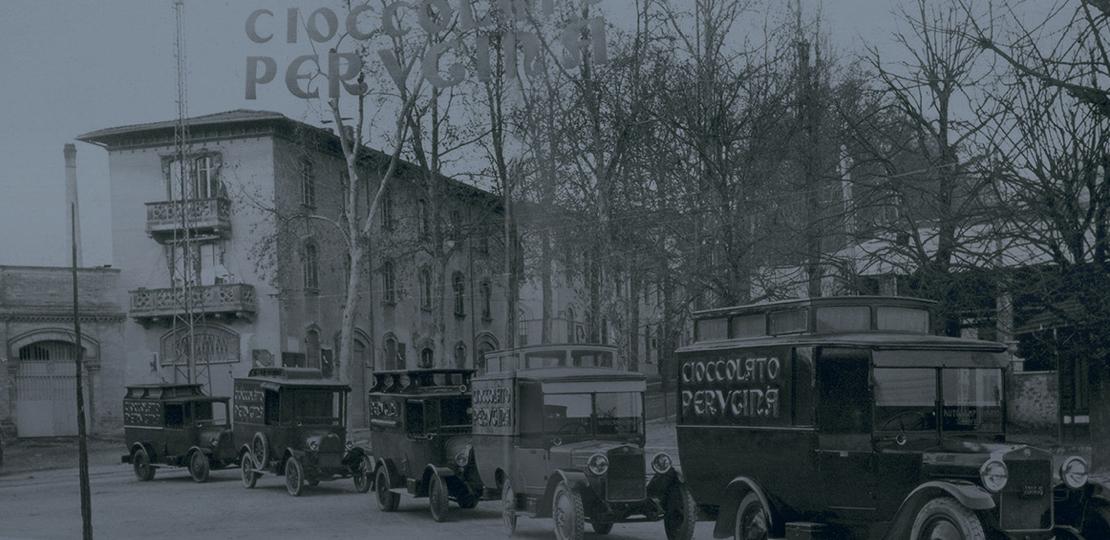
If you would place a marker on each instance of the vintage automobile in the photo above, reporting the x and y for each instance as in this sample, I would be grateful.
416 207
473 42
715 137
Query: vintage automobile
843 417
292 422
176 425
568 443
420 431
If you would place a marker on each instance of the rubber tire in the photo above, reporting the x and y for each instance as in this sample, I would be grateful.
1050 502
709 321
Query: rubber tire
199 468
362 475
572 526
468 501
294 477
437 498
387 500
955 513
140 463
260 445
748 504
680 513
246 471
508 508
601 528
1097 522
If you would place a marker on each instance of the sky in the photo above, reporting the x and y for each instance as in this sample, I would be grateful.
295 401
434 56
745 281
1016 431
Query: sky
74 66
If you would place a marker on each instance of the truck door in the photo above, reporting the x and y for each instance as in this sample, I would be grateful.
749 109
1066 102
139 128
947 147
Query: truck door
845 455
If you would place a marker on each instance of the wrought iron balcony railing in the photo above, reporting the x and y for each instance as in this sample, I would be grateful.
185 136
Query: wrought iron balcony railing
200 217
225 300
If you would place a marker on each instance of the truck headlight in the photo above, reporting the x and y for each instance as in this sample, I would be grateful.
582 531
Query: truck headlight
215 441
598 464
661 463
314 445
349 445
994 475
1074 472
462 459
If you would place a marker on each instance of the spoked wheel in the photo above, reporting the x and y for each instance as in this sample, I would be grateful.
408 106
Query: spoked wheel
568 513
246 469
260 448
946 519
387 500
294 477
508 508
680 513
199 467
752 520
361 476
140 463
437 498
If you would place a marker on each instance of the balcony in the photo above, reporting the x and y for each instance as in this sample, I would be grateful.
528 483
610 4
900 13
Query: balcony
202 218
233 301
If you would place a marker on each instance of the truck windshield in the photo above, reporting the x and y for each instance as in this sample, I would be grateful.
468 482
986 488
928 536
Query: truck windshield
210 413
599 414
906 399
319 407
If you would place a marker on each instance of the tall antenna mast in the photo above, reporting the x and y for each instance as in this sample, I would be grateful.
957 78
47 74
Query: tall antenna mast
185 248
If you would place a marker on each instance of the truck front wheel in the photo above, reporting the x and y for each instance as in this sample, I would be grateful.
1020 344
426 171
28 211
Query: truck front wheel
753 522
680 513
140 462
568 513
387 500
945 519
199 467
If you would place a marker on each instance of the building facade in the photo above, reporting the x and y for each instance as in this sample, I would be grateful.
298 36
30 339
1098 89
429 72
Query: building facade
37 363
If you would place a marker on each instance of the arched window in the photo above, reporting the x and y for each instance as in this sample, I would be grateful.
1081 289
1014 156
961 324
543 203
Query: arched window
311 267
308 184
390 353
389 291
458 283
487 300
425 287
387 211
570 325
486 344
424 219
456 225
312 348
460 355
427 358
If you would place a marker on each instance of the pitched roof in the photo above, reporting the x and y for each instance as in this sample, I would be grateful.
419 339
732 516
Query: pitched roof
226 117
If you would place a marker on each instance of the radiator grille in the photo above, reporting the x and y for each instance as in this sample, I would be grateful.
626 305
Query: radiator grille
1025 504
625 480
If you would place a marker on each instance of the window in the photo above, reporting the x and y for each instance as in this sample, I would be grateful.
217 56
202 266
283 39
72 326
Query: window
458 283
203 178
897 319
427 358
844 385
905 399
311 267
456 225
389 291
787 322
205 183
425 287
312 348
843 318
423 219
483 244
591 359
460 355
708 329
746 326
390 353
571 338
487 300
308 184
387 211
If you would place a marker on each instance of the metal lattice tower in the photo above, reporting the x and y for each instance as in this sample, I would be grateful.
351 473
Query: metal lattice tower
184 245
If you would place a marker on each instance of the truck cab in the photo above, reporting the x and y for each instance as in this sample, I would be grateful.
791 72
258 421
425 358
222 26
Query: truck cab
844 418
176 425
420 430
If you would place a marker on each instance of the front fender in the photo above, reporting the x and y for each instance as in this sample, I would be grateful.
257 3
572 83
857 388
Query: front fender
352 457
391 473
576 480
660 484
737 489
967 494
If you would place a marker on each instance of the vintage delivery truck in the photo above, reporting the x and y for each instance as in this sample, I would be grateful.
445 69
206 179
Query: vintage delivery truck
844 418
293 422
420 431
176 425
567 443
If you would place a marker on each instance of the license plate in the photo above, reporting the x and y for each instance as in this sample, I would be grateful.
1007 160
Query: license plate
1032 491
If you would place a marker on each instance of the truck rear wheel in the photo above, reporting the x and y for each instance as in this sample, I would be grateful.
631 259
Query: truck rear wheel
387 500
437 498
753 521
362 475
680 513
945 519
140 463
199 467
567 512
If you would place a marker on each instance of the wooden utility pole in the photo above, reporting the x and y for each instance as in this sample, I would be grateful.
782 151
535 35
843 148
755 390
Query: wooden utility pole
82 443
